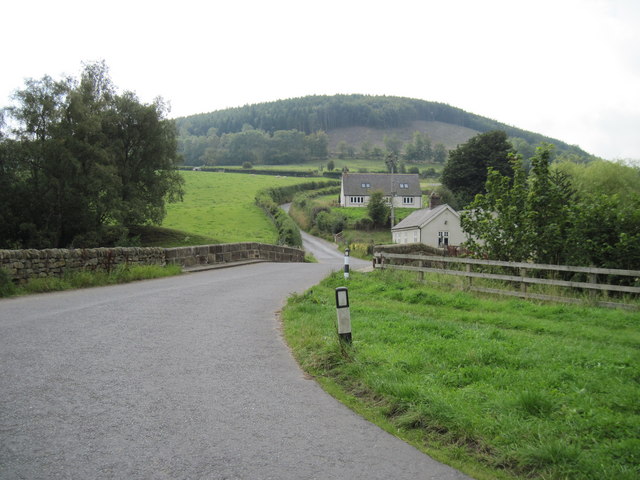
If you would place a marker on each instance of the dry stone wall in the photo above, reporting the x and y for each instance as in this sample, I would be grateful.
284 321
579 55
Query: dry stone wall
22 265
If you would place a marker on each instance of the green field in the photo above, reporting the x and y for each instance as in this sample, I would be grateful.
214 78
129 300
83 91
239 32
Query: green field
498 388
221 206
353 164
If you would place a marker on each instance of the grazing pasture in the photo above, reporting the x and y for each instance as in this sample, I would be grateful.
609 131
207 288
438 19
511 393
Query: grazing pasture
222 206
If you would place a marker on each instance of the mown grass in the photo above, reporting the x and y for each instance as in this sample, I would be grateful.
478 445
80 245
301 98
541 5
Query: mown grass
498 388
222 206
86 279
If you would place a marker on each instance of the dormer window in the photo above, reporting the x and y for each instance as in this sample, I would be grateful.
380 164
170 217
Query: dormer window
366 185
404 185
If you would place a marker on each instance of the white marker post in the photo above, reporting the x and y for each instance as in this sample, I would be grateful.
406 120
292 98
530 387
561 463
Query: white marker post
346 263
344 317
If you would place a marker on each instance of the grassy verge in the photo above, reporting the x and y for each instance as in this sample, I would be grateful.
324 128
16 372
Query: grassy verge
121 274
498 388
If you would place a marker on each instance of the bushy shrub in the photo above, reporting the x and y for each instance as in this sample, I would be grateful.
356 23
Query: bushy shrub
331 221
378 209
315 211
7 288
429 172
364 224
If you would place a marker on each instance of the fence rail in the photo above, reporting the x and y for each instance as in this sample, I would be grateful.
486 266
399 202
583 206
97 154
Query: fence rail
442 265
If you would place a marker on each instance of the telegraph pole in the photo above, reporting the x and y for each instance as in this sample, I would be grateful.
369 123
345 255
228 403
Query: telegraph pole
391 162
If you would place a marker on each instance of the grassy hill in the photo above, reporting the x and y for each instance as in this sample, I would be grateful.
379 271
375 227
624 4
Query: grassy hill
354 119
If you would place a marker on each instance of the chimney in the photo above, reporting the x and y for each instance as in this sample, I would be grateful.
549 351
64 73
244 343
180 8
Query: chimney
434 200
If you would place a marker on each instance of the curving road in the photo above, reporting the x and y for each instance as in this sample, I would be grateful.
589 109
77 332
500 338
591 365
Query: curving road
326 252
178 378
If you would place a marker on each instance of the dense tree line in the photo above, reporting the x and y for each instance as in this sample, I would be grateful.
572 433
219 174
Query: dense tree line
256 147
79 161
563 214
421 150
323 113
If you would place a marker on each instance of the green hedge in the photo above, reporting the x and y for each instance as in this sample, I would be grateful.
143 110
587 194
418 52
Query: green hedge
257 171
270 199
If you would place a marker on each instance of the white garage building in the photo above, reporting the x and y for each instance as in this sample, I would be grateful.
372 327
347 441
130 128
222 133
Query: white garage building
437 226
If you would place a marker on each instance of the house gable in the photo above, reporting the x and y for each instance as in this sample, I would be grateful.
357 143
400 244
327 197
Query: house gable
435 227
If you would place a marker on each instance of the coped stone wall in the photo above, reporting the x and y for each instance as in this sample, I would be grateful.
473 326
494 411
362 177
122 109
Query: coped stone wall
22 265
232 252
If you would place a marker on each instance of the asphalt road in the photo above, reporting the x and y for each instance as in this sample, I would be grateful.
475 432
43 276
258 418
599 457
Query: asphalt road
326 252
178 378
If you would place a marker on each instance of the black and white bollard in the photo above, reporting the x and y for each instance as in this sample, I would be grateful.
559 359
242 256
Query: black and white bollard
346 262
344 317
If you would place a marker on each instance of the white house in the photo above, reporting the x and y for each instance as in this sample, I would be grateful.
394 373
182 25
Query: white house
437 226
403 188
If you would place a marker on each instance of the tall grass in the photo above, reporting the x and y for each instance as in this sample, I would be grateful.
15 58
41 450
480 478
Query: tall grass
501 388
86 279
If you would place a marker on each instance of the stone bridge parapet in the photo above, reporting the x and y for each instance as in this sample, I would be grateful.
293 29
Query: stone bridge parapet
22 265
232 252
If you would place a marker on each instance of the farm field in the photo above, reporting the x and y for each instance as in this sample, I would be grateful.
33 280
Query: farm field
221 206
498 388
353 164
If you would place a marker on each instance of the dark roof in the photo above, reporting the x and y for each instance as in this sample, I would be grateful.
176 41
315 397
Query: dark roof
353 183
421 217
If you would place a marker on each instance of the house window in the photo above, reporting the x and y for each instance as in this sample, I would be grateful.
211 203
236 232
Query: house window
415 236
366 185
407 200
404 185
356 199
443 239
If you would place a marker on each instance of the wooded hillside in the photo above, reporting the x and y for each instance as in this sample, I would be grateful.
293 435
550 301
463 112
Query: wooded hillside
333 114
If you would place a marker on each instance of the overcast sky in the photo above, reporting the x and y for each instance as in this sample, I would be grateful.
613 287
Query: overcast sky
569 69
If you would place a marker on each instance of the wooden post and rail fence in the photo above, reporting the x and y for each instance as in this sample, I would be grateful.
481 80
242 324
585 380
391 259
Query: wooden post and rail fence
521 276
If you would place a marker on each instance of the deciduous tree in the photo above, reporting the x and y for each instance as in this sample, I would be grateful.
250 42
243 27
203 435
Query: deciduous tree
541 218
378 209
497 221
81 157
465 173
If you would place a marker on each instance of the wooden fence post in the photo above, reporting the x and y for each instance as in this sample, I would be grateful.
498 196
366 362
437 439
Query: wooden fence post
523 285
469 279
593 278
